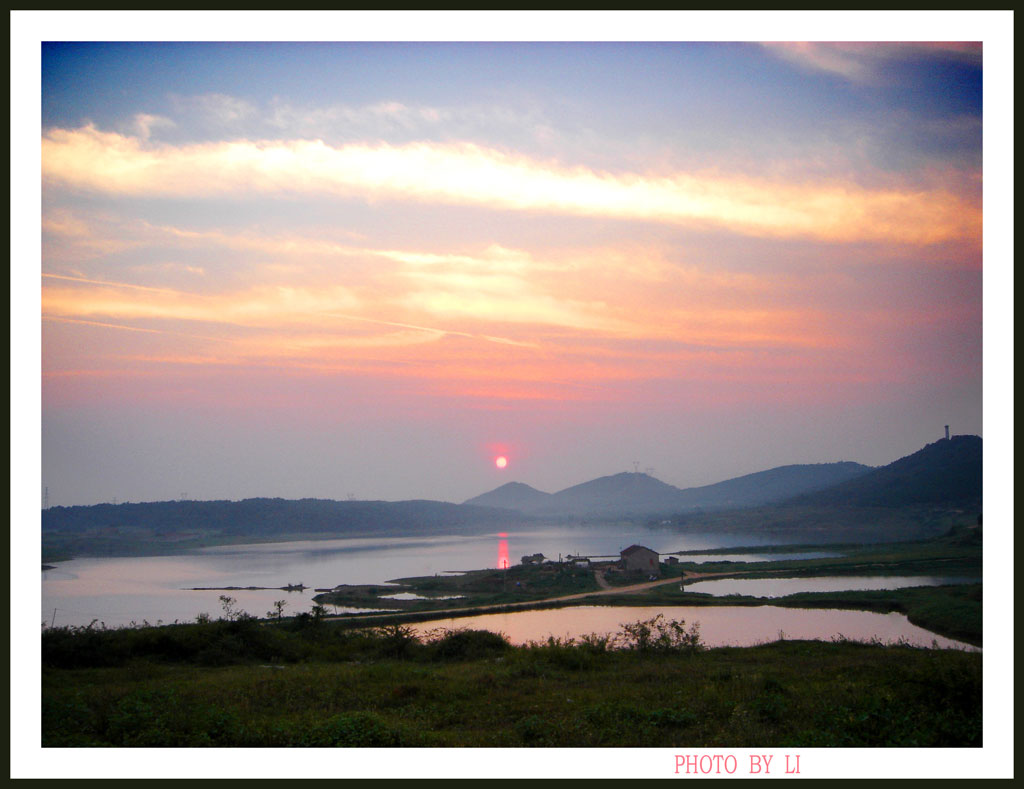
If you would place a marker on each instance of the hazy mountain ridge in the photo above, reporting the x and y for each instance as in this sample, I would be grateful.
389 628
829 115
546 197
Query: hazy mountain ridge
616 490
512 495
947 471
265 517
634 493
942 475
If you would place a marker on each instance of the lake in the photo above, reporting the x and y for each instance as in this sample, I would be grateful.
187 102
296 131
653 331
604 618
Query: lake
122 590
719 625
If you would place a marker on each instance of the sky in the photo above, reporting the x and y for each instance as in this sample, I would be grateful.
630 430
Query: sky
368 269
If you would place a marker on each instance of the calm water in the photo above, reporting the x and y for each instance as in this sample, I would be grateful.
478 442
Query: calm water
119 591
780 587
719 625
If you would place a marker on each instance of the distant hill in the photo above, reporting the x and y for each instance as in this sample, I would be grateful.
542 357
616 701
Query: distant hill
111 529
773 485
945 472
634 493
618 494
513 496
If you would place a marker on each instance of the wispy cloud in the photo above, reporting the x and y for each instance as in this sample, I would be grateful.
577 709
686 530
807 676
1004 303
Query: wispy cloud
215 109
375 120
107 282
593 299
144 123
139 329
866 62
463 174
263 305
495 285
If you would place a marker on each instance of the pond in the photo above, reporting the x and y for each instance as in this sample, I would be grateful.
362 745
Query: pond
719 625
780 587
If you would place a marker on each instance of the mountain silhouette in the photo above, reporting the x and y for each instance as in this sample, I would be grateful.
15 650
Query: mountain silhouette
634 493
513 496
773 485
625 493
948 471
268 517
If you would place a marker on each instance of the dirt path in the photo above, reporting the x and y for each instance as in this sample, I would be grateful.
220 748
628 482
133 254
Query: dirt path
605 590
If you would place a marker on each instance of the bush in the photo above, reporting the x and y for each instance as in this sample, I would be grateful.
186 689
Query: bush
662 636
464 644
563 653
395 640
592 642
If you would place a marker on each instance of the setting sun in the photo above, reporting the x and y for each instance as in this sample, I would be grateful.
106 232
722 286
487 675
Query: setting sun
501 461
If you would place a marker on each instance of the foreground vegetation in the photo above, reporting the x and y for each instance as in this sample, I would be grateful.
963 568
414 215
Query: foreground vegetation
241 683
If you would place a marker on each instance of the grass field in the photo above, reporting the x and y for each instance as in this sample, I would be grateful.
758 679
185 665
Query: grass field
240 684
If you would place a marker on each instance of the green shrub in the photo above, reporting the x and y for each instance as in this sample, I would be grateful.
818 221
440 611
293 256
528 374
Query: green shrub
353 730
535 730
159 718
594 642
672 717
613 714
659 635
464 644
395 641
68 723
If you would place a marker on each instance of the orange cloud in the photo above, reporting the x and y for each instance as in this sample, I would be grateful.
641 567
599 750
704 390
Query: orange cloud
465 174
